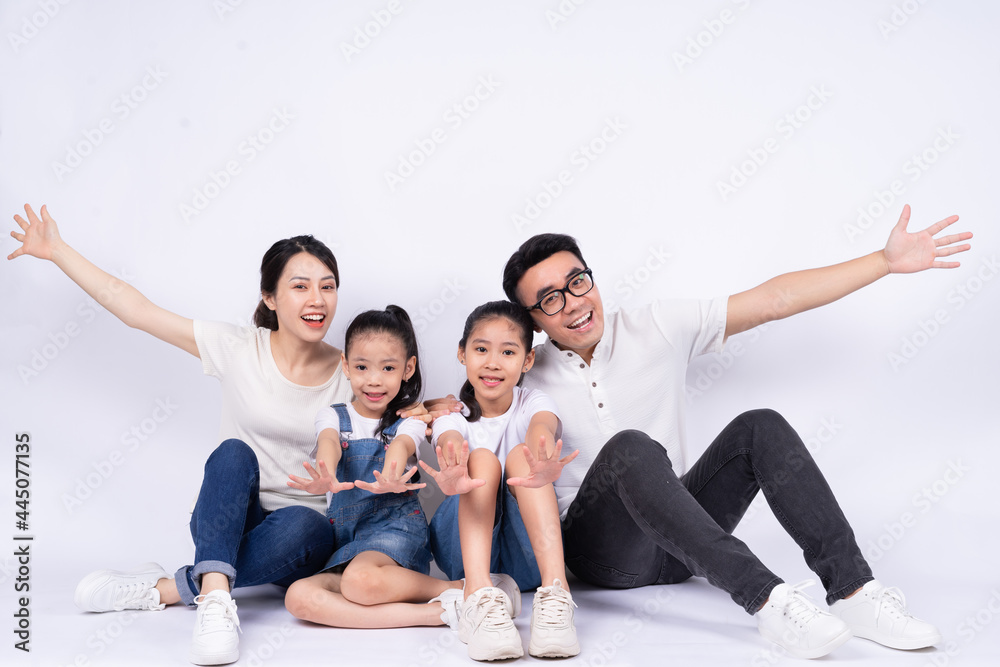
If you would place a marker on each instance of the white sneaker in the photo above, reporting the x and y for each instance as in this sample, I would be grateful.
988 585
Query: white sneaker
553 634
215 640
879 614
793 622
486 626
451 603
113 590
507 584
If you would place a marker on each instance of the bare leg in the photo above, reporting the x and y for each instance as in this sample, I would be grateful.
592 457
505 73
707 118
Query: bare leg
167 589
540 513
476 511
214 581
373 578
319 599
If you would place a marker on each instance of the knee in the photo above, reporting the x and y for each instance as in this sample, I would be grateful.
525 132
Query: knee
301 599
630 448
483 463
231 454
363 585
768 427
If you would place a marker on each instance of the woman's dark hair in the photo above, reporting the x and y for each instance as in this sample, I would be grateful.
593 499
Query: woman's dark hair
273 264
493 310
533 251
392 321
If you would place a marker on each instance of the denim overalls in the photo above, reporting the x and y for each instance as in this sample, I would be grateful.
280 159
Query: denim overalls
390 523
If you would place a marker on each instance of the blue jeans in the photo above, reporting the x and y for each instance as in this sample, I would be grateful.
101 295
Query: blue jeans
512 553
635 523
235 536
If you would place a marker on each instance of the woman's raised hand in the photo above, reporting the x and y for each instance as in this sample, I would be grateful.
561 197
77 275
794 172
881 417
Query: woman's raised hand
389 481
38 236
453 479
321 481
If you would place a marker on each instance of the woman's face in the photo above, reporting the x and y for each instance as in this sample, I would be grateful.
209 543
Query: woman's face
305 298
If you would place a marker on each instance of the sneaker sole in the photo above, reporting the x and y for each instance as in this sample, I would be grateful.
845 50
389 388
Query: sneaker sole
553 650
899 643
220 659
495 653
87 585
819 651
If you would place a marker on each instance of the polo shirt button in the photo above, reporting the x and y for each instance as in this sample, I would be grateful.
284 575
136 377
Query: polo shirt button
583 365
593 384
600 405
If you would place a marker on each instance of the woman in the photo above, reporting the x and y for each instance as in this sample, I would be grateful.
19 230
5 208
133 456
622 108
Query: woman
248 526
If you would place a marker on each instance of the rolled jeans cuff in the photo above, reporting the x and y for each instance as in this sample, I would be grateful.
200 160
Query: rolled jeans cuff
191 575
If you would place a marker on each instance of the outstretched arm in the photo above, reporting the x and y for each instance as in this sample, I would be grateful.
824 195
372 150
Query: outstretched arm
40 238
328 454
792 293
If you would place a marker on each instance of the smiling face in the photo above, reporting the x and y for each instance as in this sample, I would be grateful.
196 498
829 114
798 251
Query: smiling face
305 298
495 357
577 327
376 366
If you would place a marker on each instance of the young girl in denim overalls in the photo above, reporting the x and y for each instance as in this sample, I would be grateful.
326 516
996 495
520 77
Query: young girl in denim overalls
377 576
502 515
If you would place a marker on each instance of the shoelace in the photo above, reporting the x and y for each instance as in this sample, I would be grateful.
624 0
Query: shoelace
216 612
552 606
137 595
494 609
892 602
798 606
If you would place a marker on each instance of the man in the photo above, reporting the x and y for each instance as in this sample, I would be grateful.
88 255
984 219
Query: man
630 514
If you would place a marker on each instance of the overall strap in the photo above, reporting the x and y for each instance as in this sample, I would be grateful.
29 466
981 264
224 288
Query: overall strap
345 418
390 432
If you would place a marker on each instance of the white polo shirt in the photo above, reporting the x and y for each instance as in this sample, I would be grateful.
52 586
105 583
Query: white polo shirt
634 381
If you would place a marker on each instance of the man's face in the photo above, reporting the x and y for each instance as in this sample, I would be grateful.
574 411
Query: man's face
578 326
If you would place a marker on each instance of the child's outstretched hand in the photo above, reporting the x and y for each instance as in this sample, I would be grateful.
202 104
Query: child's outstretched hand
320 483
453 479
545 469
389 481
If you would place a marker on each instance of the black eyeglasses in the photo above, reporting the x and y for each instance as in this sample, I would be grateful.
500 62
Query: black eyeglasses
554 301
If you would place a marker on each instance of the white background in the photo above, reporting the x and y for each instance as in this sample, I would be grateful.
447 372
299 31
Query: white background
695 94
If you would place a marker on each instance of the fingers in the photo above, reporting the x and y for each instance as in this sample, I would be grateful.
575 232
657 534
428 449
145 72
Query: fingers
21 222
941 224
944 240
904 219
367 486
429 470
944 252
410 473
312 471
569 458
476 483
516 481
32 218
529 458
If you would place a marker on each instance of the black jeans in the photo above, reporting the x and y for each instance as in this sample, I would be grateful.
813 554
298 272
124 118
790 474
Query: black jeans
635 523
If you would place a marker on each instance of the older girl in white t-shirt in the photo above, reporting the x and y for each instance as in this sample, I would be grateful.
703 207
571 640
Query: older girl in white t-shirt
497 464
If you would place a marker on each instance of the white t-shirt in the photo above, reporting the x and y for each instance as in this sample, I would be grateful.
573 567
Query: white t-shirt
501 434
364 427
634 381
261 407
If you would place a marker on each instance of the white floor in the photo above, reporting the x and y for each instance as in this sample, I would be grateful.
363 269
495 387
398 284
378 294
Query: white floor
685 624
